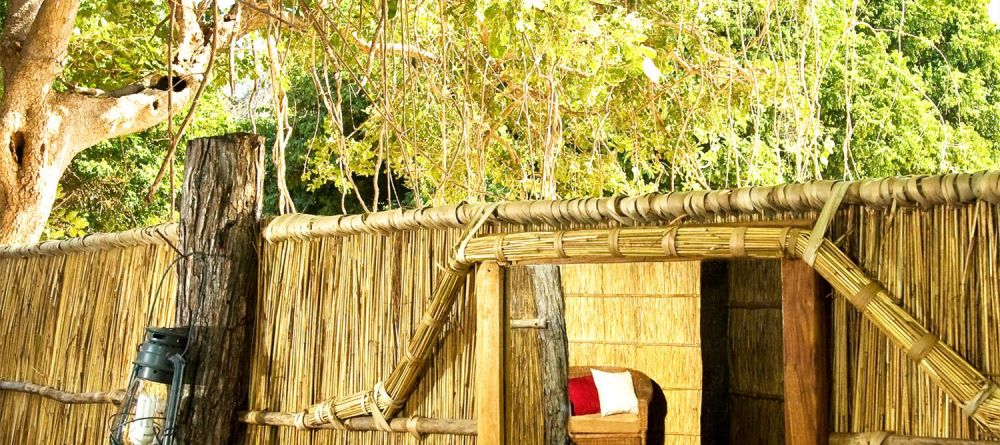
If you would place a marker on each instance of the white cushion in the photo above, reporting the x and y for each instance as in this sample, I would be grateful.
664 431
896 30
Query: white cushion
616 392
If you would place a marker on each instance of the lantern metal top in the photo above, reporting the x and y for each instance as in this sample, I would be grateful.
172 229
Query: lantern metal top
153 360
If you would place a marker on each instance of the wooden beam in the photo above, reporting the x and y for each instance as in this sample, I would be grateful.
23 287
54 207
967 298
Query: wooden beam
69 398
217 280
546 282
491 314
804 316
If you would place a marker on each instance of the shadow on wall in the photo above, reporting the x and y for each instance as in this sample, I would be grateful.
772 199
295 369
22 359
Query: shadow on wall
657 417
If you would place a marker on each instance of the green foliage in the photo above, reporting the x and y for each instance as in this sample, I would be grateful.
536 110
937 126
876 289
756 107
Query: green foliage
517 99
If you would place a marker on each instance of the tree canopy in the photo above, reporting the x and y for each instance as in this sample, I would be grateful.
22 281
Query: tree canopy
394 103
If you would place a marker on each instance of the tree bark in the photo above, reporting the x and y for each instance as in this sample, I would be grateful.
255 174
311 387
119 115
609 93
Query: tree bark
217 280
543 284
41 129
547 283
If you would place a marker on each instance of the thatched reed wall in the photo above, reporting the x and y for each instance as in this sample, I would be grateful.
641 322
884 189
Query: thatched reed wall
73 322
943 264
643 316
332 316
756 395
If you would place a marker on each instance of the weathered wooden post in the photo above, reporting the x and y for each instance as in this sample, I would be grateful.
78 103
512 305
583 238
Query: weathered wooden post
804 343
543 284
491 309
217 279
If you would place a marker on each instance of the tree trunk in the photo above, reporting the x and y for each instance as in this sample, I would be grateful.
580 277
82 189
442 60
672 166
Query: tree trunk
217 280
42 129
25 207
547 283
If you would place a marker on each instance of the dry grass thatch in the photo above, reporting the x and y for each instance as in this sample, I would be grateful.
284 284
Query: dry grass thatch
756 362
643 316
940 264
73 322
333 318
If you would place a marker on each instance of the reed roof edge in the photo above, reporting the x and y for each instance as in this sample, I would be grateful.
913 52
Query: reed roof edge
908 191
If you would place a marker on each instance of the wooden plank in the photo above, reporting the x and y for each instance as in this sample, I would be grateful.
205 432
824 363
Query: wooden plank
491 313
805 349
547 285
217 280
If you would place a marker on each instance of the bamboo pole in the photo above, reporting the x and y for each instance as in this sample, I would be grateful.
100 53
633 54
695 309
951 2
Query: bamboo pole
418 425
69 398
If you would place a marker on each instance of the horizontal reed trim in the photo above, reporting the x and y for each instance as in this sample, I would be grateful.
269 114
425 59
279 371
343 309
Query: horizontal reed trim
655 208
628 295
634 343
155 235
886 438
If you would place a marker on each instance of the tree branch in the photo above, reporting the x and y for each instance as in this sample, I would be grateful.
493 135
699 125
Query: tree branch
143 105
40 60
106 116
114 397
395 49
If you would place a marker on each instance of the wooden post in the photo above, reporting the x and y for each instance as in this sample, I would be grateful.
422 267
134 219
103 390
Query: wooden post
217 280
804 336
491 310
547 284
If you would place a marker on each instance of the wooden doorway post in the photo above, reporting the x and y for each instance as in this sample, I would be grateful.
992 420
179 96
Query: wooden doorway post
217 280
491 313
804 316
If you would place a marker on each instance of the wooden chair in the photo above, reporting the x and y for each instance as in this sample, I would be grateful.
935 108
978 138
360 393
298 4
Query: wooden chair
617 429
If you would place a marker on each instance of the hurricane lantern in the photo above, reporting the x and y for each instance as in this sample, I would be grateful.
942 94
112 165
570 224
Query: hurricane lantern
152 398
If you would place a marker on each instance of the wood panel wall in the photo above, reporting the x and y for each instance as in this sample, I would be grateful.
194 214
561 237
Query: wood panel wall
756 395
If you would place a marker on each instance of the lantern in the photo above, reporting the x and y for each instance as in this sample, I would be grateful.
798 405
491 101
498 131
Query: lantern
148 412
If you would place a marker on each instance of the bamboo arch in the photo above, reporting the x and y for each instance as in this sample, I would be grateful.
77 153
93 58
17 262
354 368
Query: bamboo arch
975 392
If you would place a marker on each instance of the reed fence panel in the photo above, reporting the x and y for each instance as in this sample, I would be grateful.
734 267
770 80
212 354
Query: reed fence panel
73 322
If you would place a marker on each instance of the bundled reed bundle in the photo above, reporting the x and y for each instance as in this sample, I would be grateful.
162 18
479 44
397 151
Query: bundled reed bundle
940 263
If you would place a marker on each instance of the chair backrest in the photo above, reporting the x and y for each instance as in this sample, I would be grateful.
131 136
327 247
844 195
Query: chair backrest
640 382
